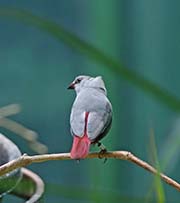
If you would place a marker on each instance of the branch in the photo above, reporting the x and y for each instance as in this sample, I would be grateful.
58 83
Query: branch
25 160
29 135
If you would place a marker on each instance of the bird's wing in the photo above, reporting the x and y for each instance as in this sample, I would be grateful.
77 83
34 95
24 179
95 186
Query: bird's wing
99 122
99 117
77 122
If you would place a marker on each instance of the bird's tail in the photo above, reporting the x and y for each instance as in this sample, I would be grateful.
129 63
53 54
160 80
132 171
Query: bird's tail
80 147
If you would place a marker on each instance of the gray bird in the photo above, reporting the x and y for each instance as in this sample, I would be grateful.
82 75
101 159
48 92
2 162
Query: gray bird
8 152
91 114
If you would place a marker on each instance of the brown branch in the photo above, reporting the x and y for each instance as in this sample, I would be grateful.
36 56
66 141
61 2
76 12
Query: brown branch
25 160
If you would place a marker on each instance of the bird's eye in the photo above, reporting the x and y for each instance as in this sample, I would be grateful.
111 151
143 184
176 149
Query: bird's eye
78 80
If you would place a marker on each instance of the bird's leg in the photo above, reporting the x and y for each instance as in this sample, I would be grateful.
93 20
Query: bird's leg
102 150
102 147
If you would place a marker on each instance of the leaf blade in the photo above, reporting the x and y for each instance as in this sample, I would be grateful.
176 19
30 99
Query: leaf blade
60 33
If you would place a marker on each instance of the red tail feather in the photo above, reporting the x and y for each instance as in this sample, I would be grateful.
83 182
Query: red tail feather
80 147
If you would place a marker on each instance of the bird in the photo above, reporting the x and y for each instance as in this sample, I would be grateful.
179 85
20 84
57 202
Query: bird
8 152
91 115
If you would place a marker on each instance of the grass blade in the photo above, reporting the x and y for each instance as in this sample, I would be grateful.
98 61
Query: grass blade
158 183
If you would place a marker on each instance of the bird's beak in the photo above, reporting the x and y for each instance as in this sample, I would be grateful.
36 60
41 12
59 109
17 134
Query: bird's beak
71 86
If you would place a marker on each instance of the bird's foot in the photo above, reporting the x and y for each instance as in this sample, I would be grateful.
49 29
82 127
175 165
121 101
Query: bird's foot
103 150
102 147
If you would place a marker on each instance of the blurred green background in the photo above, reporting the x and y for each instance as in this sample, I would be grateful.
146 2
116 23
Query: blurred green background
135 48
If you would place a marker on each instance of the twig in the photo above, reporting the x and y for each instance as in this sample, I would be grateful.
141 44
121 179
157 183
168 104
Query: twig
29 135
19 129
25 160
9 110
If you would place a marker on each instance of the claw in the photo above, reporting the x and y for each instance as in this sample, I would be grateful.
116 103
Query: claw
103 150
102 147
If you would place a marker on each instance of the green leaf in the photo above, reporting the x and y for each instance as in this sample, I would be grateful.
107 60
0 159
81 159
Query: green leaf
157 181
72 40
170 148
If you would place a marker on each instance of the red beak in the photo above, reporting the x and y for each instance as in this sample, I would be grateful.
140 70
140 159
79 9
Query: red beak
71 86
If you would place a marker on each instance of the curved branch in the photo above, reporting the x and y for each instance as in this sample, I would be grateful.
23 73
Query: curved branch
25 160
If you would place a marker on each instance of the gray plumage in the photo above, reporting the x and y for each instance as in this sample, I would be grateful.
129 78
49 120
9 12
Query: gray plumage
91 97
8 152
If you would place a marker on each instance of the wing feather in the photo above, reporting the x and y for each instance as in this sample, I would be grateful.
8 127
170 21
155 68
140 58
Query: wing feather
99 122
100 114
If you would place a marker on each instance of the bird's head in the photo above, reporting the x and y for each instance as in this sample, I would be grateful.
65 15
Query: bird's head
84 81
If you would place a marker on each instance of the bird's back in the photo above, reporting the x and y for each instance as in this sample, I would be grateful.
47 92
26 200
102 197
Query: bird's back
95 102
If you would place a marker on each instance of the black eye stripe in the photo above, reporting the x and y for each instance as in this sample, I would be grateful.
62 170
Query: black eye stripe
101 88
78 80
